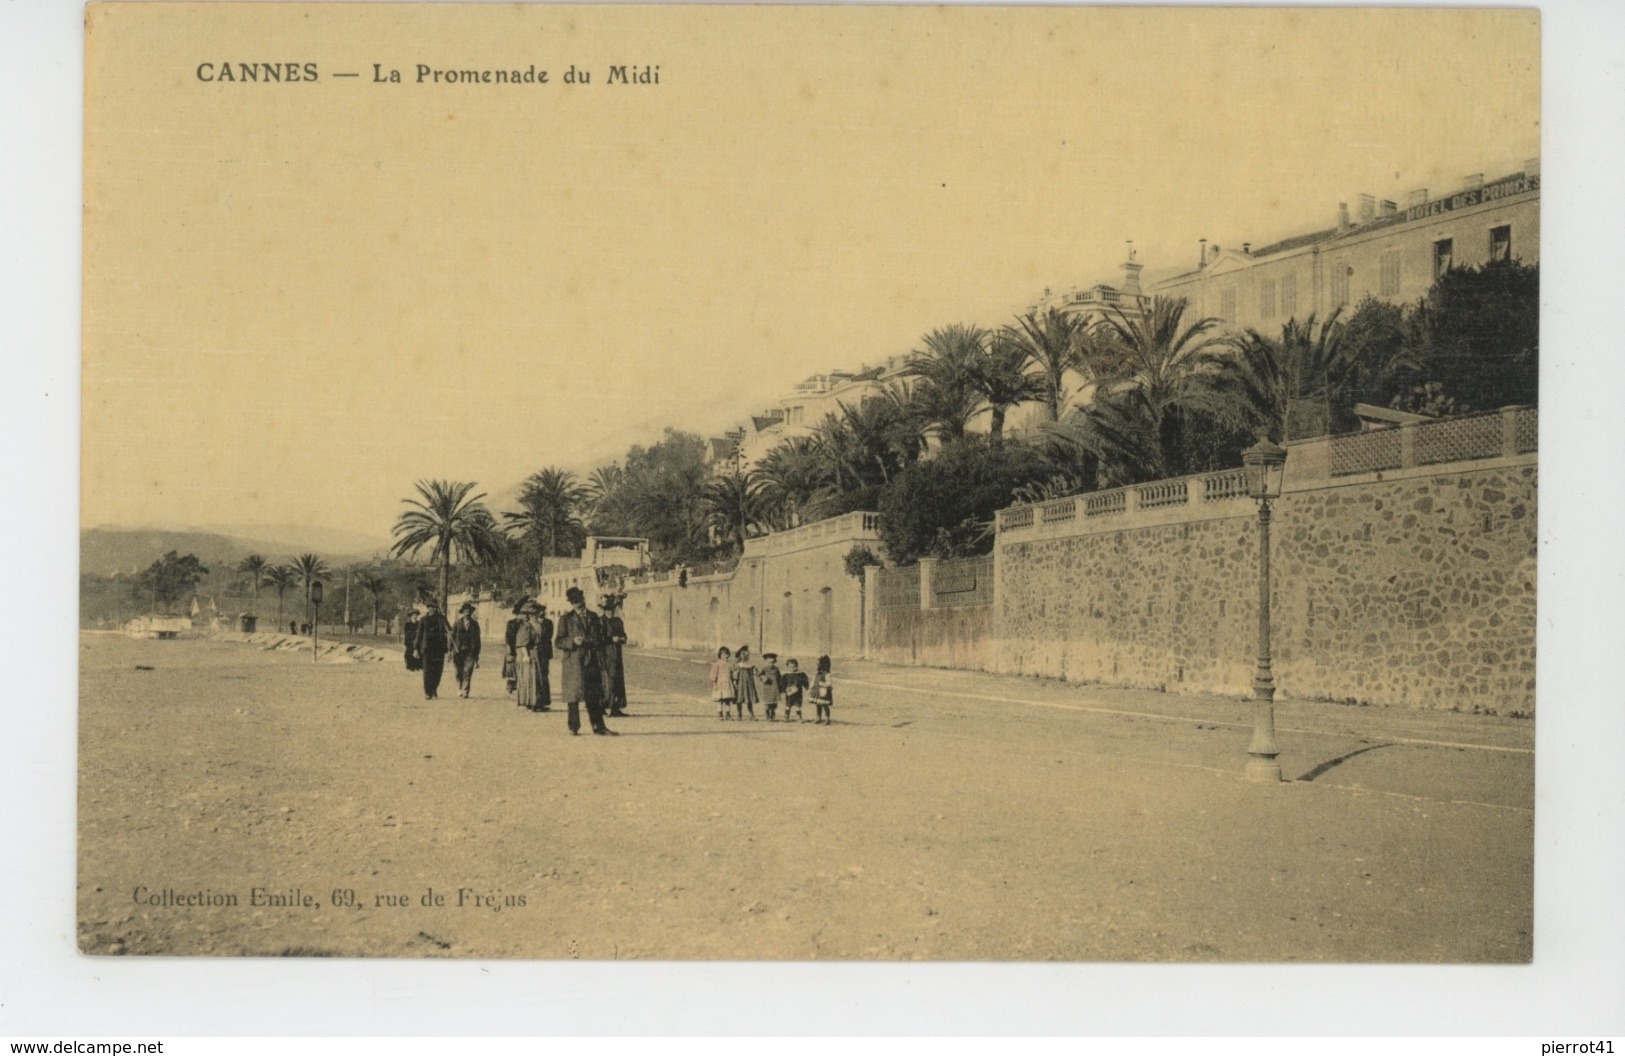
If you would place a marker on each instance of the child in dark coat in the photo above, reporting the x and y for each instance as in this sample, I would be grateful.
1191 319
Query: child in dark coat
768 675
793 683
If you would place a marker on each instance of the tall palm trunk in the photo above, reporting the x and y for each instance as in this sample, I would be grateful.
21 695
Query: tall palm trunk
445 580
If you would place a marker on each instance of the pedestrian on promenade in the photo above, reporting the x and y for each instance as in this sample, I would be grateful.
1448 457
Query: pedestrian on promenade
434 638
744 672
580 643
409 633
823 691
768 676
465 647
720 676
614 672
542 628
524 656
509 659
794 684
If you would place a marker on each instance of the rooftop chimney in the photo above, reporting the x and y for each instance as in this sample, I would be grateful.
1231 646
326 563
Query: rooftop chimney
1474 181
1201 254
1247 247
1368 208
1531 166
1131 272
1387 208
1416 198
1343 216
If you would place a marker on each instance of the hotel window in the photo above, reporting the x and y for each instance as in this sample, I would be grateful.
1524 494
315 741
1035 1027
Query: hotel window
1289 296
1389 286
1443 254
1500 243
1266 298
1341 274
1227 304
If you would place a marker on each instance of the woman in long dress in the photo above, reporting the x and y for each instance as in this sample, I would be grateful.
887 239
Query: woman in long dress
744 672
524 664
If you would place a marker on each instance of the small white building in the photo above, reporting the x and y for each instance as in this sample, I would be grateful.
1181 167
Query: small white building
604 564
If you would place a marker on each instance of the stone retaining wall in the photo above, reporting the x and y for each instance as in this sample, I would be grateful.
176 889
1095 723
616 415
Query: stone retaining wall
1414 587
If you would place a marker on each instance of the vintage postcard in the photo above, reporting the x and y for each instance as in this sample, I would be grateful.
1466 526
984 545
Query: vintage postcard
809 483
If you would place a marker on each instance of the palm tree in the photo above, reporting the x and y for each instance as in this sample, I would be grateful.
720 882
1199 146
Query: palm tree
309 568
451 523
373 584
602 483
281 577
550 501
1275 377
728 508
946 397
254 566
1169 370
1057 343
787 479
1003 382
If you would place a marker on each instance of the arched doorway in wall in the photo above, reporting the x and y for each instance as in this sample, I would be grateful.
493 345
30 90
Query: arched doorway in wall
787 623
716 623
826 621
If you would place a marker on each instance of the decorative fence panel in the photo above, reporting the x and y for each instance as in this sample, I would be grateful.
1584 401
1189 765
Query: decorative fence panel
1459 439
899 588
962 581
1526 430
1366 452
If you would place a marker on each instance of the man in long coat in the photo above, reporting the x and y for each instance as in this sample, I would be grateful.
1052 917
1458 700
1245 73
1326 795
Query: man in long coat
544 656
465 647
580 643
614 670
434 638
409 636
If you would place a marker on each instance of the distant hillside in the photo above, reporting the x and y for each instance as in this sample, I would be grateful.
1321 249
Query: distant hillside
105 551
298 539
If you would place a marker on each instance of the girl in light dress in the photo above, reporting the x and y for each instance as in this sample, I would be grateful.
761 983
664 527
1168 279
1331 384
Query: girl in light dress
720 676
823 691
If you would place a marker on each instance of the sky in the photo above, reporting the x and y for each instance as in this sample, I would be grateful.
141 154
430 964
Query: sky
301 298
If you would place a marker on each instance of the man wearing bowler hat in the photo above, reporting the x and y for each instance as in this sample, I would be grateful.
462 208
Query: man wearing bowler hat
614 671
434 638
580 643
465 647
544 655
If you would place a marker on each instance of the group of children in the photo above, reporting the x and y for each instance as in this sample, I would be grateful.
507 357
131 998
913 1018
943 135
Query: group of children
736 680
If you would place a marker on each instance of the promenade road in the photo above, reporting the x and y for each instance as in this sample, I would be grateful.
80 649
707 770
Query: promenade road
945 816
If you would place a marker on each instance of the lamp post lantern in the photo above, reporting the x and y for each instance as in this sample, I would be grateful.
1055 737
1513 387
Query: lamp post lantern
316 618
1264 464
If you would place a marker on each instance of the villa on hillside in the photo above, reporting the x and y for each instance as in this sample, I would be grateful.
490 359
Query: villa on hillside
1380 250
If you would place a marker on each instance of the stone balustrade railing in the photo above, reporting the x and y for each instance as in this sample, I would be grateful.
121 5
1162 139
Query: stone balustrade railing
1506 433
858 527
1206 487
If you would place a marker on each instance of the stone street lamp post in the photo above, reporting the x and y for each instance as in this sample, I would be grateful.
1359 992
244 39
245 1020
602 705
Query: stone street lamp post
316 619
1264 464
